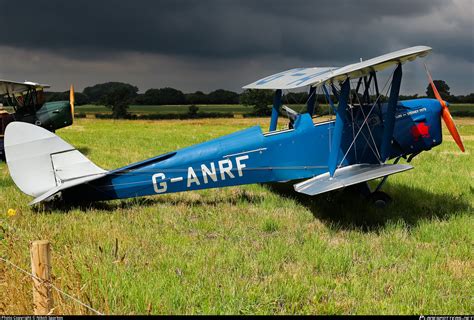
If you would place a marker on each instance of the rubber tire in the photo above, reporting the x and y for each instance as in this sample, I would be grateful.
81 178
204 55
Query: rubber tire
380 199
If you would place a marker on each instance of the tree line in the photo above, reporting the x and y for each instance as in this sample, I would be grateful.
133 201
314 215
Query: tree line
118 96
163 96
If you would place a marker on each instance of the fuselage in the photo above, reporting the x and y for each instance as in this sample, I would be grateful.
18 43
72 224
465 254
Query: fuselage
250 156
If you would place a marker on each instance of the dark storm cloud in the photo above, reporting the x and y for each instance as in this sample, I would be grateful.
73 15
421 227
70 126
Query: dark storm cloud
227 34
318 29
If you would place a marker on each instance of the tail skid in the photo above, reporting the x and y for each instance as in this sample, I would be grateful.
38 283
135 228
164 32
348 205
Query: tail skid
41 164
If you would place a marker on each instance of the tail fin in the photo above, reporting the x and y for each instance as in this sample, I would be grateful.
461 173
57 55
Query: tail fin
39 161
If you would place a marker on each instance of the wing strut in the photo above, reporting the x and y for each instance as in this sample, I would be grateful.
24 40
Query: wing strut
339 127
367 86
377 93
275 109
334 91
311 100
389 117
328 97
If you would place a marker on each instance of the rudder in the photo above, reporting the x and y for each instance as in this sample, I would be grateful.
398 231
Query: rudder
39 160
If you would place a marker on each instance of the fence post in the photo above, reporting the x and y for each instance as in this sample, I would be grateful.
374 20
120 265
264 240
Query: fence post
41 267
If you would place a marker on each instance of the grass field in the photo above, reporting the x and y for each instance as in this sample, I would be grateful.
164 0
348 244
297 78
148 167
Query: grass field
226 108
138 109
249 249
461 107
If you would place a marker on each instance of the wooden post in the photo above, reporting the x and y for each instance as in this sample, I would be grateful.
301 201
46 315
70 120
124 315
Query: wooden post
41 267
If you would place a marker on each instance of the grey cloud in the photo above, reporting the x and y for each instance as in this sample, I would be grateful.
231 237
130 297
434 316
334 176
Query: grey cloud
239 39
212 28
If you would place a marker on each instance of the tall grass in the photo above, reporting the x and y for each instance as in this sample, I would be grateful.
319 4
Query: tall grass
250 249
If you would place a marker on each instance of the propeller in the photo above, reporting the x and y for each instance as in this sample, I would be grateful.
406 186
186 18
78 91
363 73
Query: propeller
448 119
71 100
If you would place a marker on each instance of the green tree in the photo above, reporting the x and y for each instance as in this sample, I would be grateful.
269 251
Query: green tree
197 97
79 98
408 97
118 99
164 96
296 97
140 99
466 99
98 91
223 96
442 87
259 99
192 111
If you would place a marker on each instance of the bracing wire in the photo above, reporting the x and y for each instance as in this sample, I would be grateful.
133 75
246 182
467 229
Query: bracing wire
49 284
366 118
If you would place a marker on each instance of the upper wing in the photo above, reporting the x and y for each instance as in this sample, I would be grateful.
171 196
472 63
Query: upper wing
12 87
291 79
297 78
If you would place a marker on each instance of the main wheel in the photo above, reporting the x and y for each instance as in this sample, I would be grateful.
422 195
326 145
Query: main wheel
380 199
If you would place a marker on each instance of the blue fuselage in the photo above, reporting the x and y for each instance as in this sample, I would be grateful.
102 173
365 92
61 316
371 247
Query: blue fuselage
249 156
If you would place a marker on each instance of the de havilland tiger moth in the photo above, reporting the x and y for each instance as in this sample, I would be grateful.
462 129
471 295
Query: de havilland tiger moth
27 103
351 150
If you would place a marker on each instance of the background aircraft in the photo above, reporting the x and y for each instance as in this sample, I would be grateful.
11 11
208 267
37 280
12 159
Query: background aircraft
27 103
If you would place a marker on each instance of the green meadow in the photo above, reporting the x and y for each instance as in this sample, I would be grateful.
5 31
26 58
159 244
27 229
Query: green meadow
236 109
251 249
147 109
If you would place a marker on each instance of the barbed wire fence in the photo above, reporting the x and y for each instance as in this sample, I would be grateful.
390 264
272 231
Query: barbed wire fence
44 282
51 285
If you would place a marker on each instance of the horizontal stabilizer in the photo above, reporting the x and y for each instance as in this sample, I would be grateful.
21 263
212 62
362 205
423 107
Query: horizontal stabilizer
348 176
66 185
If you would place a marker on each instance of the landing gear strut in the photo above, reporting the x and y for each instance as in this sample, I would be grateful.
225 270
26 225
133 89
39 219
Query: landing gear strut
379 198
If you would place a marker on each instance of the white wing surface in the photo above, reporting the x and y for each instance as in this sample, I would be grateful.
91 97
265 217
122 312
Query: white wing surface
12 87
301 77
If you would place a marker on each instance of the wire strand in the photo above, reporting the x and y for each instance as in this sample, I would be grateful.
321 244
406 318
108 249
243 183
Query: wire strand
365 120
48 283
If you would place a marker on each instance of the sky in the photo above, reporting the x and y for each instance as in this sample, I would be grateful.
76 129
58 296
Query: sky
211 44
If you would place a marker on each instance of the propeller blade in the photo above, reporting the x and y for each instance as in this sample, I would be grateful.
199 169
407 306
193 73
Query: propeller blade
448 119
71 100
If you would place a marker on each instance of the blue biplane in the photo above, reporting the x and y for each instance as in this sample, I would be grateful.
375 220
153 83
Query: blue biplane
316 157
